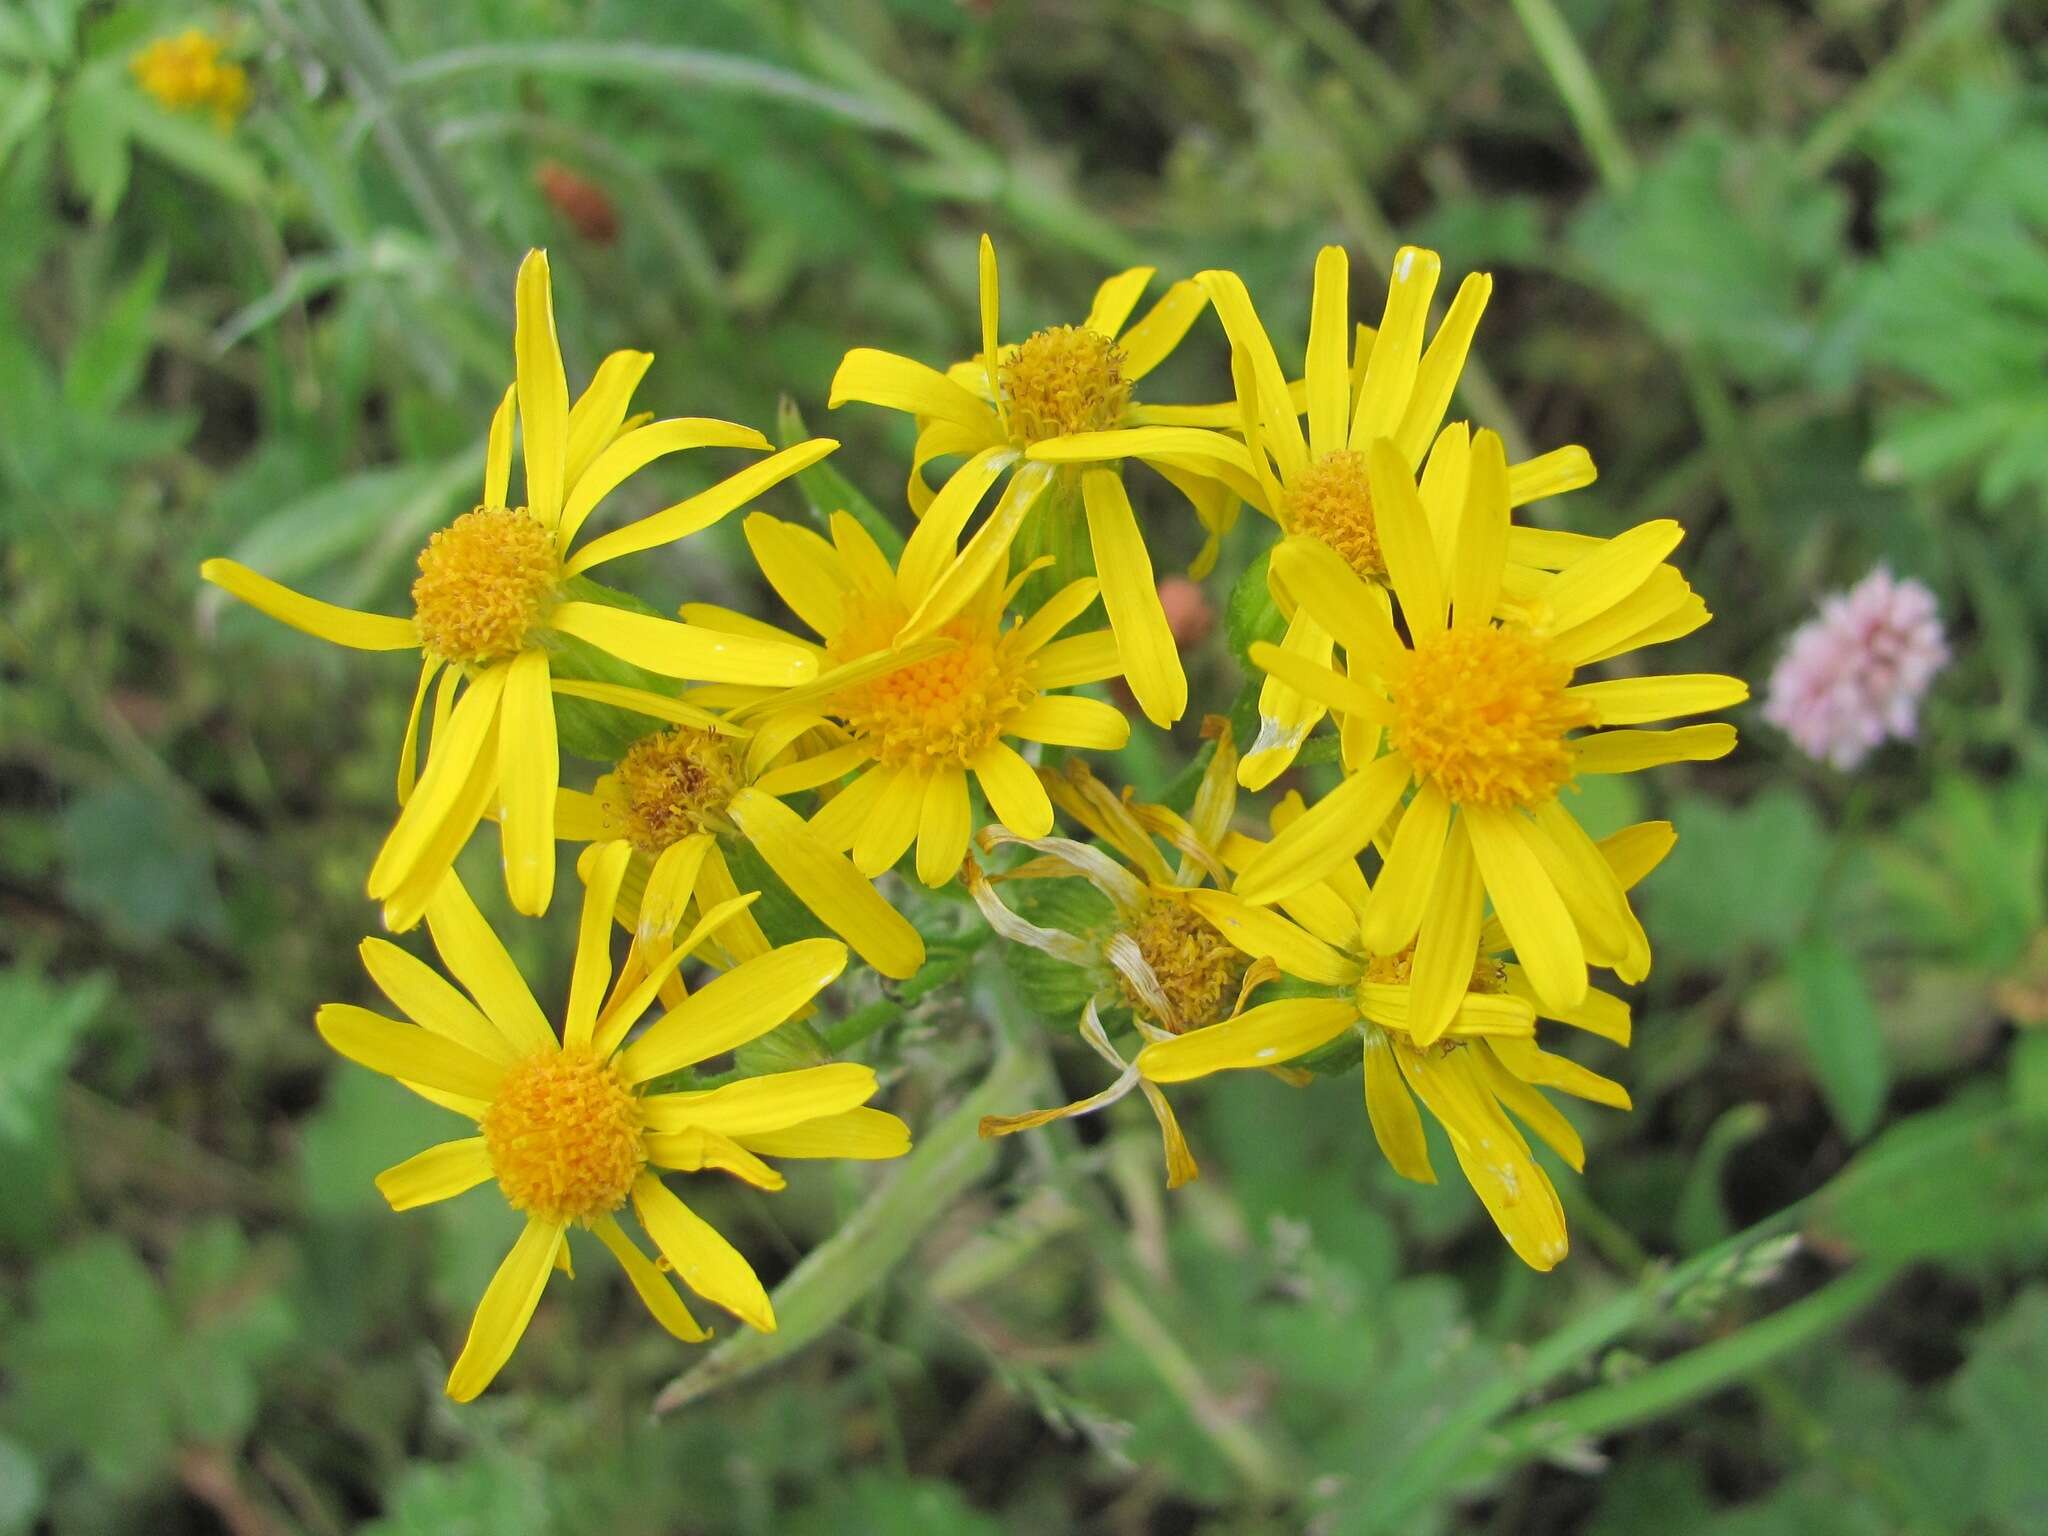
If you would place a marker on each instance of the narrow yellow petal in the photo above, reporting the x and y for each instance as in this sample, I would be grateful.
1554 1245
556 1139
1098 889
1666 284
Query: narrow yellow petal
1550 474
694 1150
695 513
990 296
1633 700
543 389
891 824
1335 829
1405 539
469 739
829 885
899 384
595 418
702 1259
1014 793
1393 910
1323 583
1480 553
474 956
439 1173
1631 751
1130 596
1585 881
506 1309
1152 339
934 543
1397 350
1328 369
1542 1117
1263 1036
409 749
945 822
325 621
529 771
1077 659
1280 429
592 971
1545 938
685 650
419 992
1327 687
838 822
743 1004
654 1287
1588 588
1070 720
1437 375
617 461
982 558
1634 851
1447 947
1536 1066
1396 1122
773 1102
407 1052
1115 298
498 450
803 569
1266 935
860 1133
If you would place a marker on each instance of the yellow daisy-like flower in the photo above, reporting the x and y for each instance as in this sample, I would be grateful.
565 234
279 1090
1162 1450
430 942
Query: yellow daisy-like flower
186 73
500 593
1482 716
1047 398
928 685
1470 1075
565 1123
1159 957
1313 483
678 793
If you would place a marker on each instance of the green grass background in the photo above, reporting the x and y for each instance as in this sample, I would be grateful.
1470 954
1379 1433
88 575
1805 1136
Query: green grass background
1782 267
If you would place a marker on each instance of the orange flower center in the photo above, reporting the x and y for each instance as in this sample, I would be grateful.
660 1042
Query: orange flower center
670 785
1331 501
563 1136
1484 714
948 708
1197 969
486 583
1062 380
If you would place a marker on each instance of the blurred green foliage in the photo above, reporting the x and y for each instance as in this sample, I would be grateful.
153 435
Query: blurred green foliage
1783 268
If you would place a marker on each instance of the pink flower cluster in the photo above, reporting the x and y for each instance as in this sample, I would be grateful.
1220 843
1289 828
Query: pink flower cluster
1853 677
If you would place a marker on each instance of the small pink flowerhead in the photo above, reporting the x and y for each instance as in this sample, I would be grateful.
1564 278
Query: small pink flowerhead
1854 675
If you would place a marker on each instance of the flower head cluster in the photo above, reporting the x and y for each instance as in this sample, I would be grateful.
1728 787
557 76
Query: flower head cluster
186 73
1852 678
924 711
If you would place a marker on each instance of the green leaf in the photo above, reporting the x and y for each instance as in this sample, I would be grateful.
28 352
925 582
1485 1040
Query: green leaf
24 104
493 1494
107 360
1740 879
1842 1033
195 145
96 139
142 866
948 1159
1998 1401
899 1505
39 1028
1251 614
21 1488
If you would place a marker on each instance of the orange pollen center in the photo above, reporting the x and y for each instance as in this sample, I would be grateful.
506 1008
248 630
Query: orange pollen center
1196 967
564 1137
670 785
486 583
1331 501
1064 379
1484 714
948 708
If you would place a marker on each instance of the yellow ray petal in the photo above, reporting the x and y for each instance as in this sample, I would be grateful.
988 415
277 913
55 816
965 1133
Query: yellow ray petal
1263 1036
698 512
1396 1123
1447 948
1335 829
506 1309
543 389
654 1287
859 1133
529 771
1545 938
829 885
803 569
1633 700
899 384
419 992
1014 793
1588 588
1077 659
1393 909
742 1005
702 1259
592 971
338 626
1480 553
1629 751
409 749
945 822
468 740
934 543
1280 430
1069 720
498 450
1437 374
1267 935
1405 539
773 1102
1152 339
1328 370
439 1173
1130 596
595 418
473 956
619 460
1115 298
891 823
407 1052
685 650
1320 580
1397 349
1550 474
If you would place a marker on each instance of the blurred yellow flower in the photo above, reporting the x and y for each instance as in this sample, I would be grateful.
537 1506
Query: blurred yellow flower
501 592
1470 1073
186 73
566 1125
1481 715
927 684
1063 395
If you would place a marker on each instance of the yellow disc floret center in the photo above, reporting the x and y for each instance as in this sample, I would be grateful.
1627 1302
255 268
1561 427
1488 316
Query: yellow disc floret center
563 1136
486 583
1331 501
1197 969
948 708
1484 714
672 784
1489 974
1064 379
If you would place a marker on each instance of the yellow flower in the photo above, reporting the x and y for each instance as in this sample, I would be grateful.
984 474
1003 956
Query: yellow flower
677 793
1314 484
1061 395
1159 957
186 73
566 1125
1470 1074
500 593
928 685
1481 715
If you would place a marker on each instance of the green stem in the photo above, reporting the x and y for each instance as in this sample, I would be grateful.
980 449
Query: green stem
1576 83
1680 1380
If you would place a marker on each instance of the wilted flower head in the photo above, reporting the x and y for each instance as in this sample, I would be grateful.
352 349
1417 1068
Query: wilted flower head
1853 677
